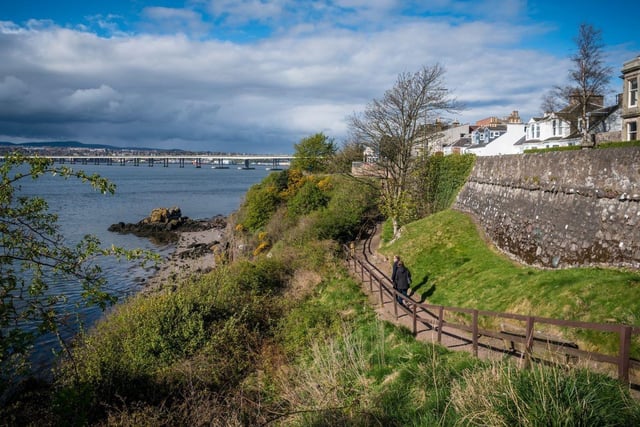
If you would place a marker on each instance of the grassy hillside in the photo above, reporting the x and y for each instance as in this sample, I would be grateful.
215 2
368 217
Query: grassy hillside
453 265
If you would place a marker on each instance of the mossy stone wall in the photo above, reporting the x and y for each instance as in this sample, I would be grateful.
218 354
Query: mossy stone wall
560 209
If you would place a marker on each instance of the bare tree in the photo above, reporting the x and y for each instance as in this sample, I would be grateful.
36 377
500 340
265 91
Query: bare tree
589 75
394 126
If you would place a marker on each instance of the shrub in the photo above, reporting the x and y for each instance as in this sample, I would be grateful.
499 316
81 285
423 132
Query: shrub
260 203
352 204
308 199
439 180
263 275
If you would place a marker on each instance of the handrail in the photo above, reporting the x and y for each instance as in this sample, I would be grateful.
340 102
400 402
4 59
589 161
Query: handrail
529 337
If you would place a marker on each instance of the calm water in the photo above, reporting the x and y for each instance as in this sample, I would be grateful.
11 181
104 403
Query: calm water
199 193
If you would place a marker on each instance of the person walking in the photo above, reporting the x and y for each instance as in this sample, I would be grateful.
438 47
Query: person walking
401 281
396 258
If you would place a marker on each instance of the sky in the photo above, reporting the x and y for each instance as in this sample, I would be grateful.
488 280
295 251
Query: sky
257 76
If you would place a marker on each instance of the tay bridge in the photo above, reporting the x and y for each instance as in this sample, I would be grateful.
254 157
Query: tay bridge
222 161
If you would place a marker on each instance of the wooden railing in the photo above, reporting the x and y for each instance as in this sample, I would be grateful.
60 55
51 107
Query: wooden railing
438 317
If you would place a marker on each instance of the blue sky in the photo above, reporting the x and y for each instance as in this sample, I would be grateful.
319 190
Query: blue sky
257 76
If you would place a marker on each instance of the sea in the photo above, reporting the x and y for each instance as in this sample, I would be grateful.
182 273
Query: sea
200 193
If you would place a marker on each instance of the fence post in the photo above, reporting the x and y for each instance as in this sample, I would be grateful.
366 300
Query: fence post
370 281
625 348
440 322
528 350
395 303
381 295
474 328
415 319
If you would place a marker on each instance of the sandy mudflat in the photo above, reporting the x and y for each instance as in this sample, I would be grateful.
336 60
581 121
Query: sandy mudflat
178 266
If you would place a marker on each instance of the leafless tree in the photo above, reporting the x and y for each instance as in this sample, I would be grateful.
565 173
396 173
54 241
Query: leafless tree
394 126
590 75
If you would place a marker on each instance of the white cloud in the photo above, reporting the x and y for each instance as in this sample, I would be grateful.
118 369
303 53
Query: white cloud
166 86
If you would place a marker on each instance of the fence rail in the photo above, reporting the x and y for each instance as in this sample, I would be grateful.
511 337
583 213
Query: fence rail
438 317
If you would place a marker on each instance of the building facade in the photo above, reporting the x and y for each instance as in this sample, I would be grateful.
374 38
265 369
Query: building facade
630 102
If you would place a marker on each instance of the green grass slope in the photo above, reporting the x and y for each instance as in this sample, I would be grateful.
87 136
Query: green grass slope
453 265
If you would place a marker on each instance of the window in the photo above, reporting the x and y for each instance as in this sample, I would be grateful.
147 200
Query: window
632 131
633 93
537 131
555 127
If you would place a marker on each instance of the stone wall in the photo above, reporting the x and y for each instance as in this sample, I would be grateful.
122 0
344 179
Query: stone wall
560 209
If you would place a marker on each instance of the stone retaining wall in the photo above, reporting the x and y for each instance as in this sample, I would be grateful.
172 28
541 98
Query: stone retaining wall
560 209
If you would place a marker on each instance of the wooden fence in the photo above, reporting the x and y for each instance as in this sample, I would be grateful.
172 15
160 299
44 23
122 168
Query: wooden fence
522 340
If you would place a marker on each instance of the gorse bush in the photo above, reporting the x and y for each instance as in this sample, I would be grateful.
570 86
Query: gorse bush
308 199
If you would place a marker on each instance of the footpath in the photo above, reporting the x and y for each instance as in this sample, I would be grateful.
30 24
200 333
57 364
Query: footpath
426 330
453 339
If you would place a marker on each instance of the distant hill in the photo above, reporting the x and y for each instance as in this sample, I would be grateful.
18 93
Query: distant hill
58 144
76 144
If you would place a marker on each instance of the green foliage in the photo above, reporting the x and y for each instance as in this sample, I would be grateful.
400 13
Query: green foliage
605 145
542 395
600 146
313 154
204 335
35 256
308 199
260 203
353 203
550 149
345 156
439 181
263 275
387 231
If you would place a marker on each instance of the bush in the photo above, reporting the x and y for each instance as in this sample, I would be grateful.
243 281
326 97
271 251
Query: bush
263 275
308 199
439 181
353 203
261 202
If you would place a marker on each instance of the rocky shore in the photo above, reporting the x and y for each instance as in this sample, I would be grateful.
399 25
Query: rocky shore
196 242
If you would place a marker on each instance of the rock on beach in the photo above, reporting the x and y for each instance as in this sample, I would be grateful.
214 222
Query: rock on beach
197 242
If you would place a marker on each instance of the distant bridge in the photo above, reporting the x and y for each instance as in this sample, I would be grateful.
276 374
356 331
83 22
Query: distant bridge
222 161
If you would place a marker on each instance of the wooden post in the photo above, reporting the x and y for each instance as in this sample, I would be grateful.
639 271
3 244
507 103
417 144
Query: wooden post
474 328
395 303
415 319
440 322
381 296
528 350
625 348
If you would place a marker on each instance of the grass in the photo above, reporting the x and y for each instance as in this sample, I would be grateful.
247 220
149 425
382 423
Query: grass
452 265
365 372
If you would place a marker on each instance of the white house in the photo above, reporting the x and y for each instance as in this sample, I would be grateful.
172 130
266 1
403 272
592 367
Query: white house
551 125
506 143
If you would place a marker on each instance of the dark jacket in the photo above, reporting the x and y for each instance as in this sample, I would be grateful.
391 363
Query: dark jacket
402 278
